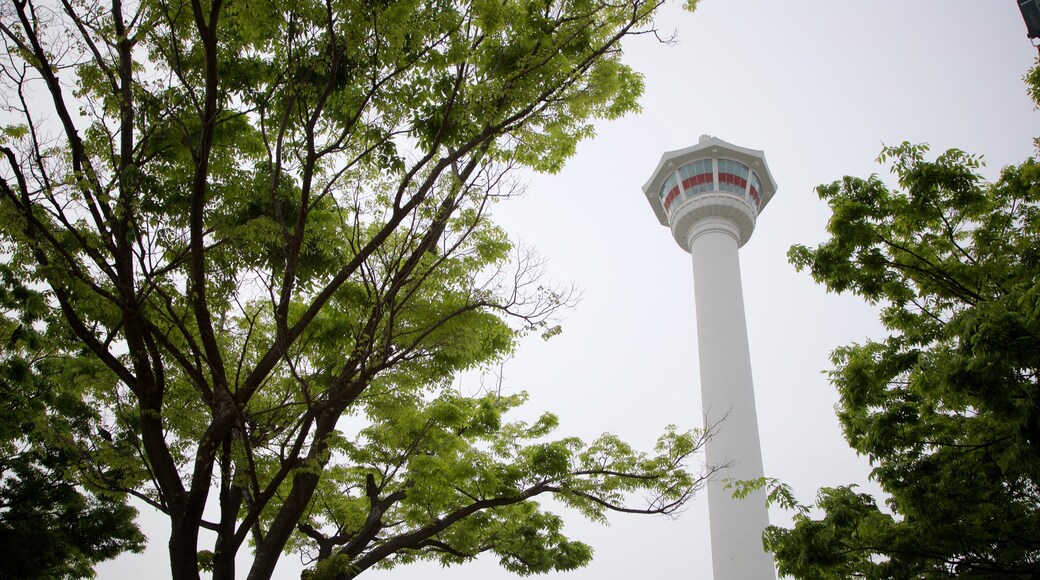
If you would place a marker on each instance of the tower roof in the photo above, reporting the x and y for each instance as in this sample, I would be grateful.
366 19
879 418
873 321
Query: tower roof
708 147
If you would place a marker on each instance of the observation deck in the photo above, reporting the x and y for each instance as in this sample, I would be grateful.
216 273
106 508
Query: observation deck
710 179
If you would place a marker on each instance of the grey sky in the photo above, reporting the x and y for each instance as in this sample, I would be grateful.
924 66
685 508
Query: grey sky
818 85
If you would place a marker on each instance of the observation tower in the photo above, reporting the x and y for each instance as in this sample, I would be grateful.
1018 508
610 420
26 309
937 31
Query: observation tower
710 195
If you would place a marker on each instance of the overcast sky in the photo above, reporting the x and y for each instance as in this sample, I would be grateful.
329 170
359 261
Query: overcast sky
819 86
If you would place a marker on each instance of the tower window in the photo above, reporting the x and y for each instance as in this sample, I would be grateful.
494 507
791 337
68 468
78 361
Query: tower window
756 190
697 177
669 192
733 176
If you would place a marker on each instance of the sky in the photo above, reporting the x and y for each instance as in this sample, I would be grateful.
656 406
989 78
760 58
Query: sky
819 86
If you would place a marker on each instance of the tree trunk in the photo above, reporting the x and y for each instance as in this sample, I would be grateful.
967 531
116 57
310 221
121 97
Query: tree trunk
184 539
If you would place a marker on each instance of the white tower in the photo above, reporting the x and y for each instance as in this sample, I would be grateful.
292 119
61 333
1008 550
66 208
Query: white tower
710 195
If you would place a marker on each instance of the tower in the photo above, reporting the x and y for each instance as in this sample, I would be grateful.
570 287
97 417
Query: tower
710 195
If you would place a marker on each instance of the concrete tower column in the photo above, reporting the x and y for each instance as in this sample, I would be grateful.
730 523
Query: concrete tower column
728 401
710 196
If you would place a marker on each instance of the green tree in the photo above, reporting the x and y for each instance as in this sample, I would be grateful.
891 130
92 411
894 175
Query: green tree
947 408
48 527
257 238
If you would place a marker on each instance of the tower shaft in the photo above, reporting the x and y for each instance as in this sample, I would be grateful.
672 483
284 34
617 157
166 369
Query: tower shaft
728 400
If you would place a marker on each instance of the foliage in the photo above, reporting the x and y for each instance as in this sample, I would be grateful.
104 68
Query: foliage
256 239
48 528
947 408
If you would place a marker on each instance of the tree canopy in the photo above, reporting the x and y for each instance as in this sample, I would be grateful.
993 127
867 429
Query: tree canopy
947 408
48 527
245 249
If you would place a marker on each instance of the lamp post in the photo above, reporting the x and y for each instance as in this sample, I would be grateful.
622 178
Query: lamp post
710 196
1031 15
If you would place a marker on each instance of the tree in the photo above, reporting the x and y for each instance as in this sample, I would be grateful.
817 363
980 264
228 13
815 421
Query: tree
48 528
258 240
947 408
